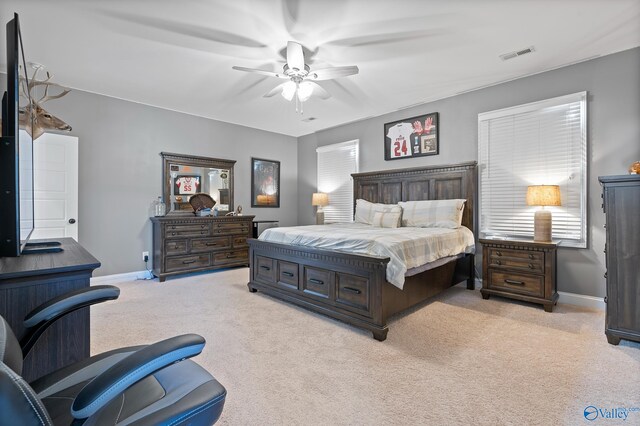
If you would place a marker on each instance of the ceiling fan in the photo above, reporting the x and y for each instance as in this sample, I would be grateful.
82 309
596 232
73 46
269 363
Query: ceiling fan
301 84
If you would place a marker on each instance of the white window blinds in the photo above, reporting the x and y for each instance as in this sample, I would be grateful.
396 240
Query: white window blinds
335 164
542 143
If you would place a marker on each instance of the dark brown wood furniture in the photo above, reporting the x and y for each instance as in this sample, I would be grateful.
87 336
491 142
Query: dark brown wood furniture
521 270
353 288
187 243
30 280
621 204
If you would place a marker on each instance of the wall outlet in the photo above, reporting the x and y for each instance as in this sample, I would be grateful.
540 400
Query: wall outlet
145 256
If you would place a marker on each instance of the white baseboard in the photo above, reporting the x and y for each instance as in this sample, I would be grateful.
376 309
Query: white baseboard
571 298
118 278
581 300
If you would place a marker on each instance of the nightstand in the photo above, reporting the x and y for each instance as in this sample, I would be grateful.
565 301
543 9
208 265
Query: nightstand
521 270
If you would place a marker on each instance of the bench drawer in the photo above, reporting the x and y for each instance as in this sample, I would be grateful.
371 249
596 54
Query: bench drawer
353 292
317 282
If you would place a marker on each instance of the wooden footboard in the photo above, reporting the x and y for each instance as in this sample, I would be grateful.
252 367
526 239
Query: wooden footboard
348 287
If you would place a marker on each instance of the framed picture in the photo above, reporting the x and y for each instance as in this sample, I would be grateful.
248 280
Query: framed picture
411 137
265 183
186 185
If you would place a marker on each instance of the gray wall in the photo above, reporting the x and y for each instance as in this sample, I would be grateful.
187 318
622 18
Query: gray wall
613 85
120 169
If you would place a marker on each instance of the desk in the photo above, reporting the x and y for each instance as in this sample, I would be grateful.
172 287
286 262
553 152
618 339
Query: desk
257 223
29 280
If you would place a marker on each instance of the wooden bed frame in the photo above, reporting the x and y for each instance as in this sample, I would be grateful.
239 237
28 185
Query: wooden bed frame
353 288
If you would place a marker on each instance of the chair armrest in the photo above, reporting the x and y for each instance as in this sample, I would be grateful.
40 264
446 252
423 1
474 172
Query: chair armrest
38 320
112 382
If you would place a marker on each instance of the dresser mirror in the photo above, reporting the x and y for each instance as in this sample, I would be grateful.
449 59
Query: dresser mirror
185 175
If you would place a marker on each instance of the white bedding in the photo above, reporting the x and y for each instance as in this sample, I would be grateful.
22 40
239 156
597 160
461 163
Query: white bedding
406 247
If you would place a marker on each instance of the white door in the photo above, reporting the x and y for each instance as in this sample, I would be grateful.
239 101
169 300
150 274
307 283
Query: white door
55 159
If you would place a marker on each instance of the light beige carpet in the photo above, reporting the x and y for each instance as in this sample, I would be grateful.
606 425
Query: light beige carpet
456 360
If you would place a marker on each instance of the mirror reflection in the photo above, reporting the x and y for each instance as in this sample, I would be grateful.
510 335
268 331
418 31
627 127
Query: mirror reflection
185 176
189 180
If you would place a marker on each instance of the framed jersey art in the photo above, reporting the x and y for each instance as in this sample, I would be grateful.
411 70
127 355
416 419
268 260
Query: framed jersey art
186 185
411 137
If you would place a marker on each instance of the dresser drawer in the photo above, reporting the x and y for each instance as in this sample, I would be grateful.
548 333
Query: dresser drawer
209 244
288 275
178 263
517 283
228 257
231 228
240 242
188 230
264 269
317 282
175 247
353 292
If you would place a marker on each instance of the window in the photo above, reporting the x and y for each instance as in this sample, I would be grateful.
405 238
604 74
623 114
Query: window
335 164
541 143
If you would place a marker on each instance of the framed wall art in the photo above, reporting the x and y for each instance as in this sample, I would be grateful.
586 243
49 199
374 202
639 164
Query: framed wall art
265 183
412 137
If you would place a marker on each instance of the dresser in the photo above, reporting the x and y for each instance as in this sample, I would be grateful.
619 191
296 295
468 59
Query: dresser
30 280
185 243
522 270
621 205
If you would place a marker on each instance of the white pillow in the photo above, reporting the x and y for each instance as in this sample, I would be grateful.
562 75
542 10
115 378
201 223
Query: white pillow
432 213
365 210
386 220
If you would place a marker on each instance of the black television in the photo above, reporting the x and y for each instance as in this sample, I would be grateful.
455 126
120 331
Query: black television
16 152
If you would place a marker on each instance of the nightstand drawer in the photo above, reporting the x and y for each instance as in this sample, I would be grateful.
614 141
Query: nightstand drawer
531 256
517 283
513 262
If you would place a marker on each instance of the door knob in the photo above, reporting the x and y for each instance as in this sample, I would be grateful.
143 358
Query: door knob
72 221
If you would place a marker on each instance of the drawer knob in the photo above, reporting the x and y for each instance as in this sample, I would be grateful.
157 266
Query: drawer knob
530 256
514 282
266 268
499 253
498 262
186 262
287 274
315 281
173 233
351 290
531 266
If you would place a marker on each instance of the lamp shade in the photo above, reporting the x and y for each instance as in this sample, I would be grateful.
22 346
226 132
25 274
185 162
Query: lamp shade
320 199
543 195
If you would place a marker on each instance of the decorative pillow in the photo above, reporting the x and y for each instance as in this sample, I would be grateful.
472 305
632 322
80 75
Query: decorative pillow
365 210
432 213
386 220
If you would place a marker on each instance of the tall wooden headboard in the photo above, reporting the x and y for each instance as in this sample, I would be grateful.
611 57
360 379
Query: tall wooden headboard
421 183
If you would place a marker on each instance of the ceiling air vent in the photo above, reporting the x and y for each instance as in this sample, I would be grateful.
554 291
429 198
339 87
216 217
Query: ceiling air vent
308 119
517 53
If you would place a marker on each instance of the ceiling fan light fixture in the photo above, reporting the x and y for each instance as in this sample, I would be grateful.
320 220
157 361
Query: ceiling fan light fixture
305 90
289 90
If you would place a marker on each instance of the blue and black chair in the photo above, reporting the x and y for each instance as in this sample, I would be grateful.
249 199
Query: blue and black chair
139 385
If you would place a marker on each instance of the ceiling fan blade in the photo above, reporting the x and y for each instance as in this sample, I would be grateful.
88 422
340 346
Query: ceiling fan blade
295 57
318 90
276 90
335 72
188 29
257 71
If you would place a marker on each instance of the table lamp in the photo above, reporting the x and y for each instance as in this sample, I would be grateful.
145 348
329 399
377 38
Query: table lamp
320 199
543 195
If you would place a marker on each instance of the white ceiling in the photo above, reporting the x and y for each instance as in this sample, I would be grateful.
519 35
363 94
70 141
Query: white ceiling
178 54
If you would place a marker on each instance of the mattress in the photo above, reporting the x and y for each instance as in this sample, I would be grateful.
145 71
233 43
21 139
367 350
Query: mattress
407 248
